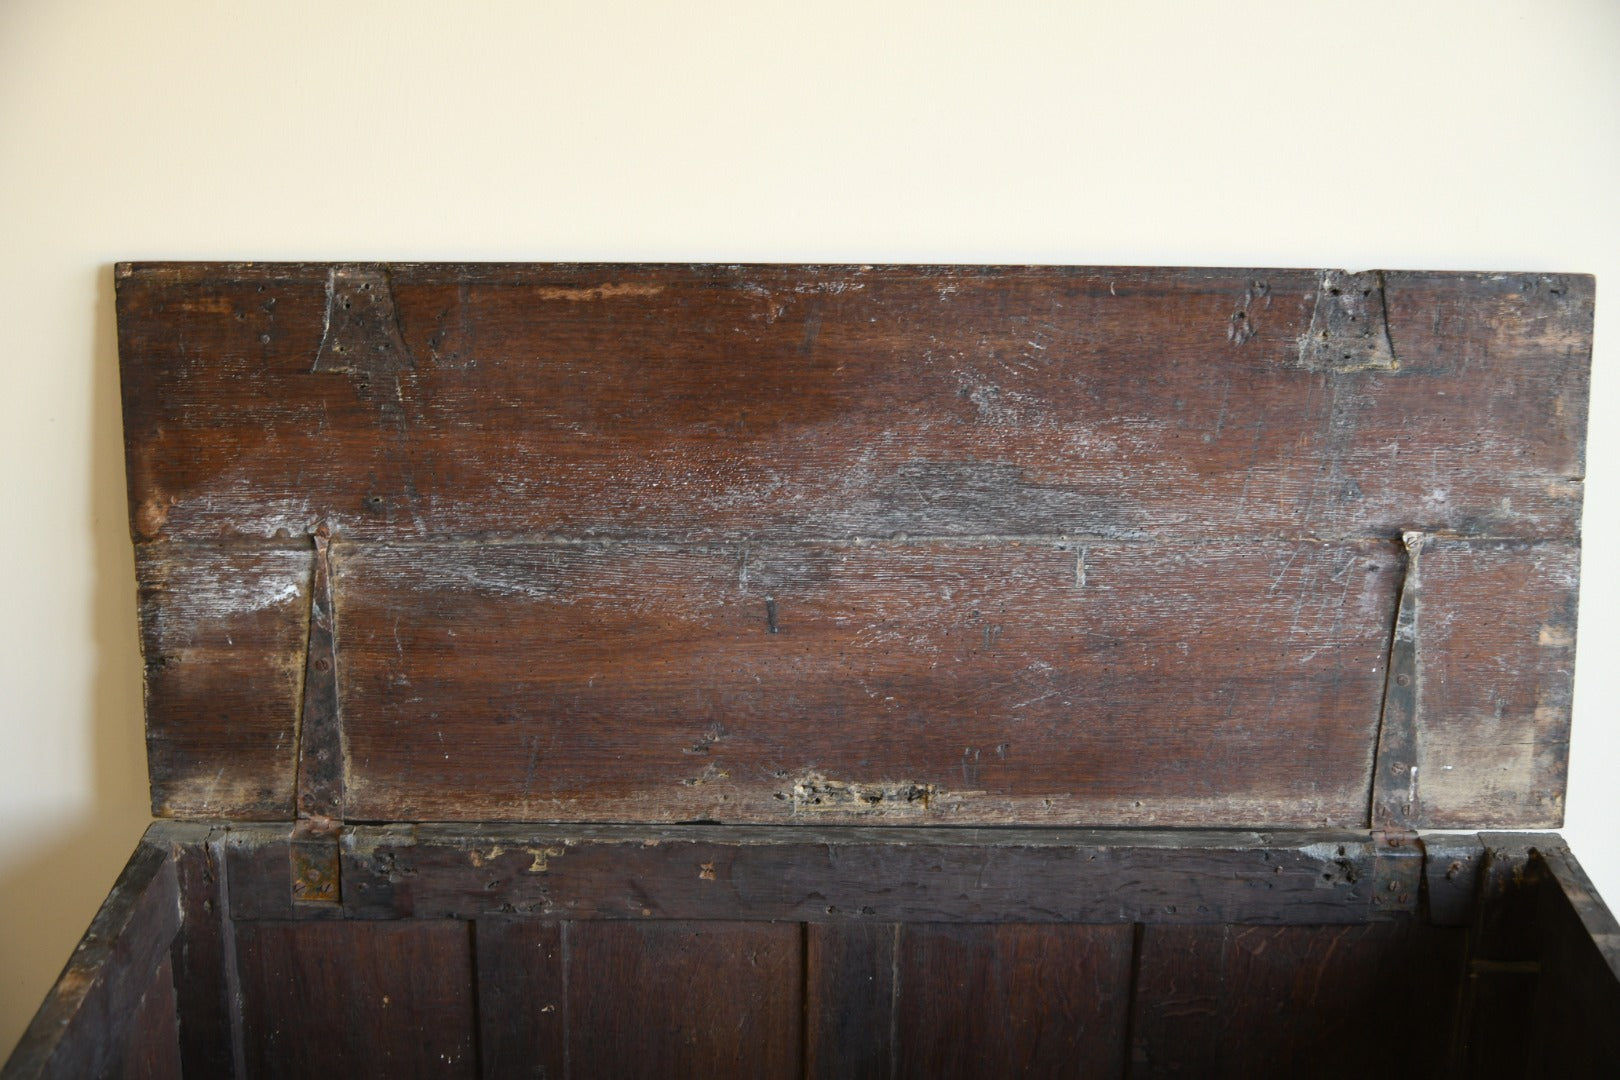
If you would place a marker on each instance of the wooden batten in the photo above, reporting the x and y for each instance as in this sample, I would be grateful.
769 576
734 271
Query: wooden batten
856 545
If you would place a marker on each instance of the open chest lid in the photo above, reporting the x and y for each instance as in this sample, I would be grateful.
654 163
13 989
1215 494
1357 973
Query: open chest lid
942 545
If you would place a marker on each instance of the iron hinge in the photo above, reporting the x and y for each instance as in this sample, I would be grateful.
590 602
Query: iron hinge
316 860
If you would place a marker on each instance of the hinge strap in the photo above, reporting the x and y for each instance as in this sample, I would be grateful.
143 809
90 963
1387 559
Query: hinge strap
320 729
1394 799
320 780
1399 859
315 855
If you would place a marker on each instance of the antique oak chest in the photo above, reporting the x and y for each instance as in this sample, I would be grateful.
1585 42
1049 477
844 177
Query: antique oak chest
777 671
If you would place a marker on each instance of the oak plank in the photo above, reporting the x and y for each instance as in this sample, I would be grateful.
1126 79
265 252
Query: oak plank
849 1000
1503 967
357 998
1291 991
771 402
116 995
504 453
832 874
522 998
223 634
152 1049
684 999
199 958
1011 999
1573 1030
1063 682
1496 665
1177 1026
1056 683
1242 1001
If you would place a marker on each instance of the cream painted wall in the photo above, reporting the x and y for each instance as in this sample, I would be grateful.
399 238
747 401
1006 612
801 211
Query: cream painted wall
1456 135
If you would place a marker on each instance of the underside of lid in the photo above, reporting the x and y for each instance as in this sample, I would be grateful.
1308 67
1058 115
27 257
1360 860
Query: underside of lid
942 545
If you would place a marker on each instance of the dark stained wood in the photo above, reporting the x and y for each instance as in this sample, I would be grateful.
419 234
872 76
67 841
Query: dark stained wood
684 999
357 999
113 1007
756 544
223 637
960 683
849 1000
633 985
848 555
1103 683
1498 995
1252 1001
1452 864
1573 903
133 1038
199 959
1011 1000
152 1048
1575 1021
1292 994
833 874
779 402
1176 1024
258 866
522 998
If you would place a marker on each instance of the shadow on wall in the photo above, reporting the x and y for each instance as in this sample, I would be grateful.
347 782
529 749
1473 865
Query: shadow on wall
45 895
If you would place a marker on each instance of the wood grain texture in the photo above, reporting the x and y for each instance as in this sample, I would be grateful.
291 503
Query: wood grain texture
152 1048
1496 667
1575 1019
776 402
684 999
835 874
849 1009
113 1007
357 999
1503 965
1064 682
523 1010
223 636
1106 684
199 959
1011 1000
1176 1023
1249 1001
1083 546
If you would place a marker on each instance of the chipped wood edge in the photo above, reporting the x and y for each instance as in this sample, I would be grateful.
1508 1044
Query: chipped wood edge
128 939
